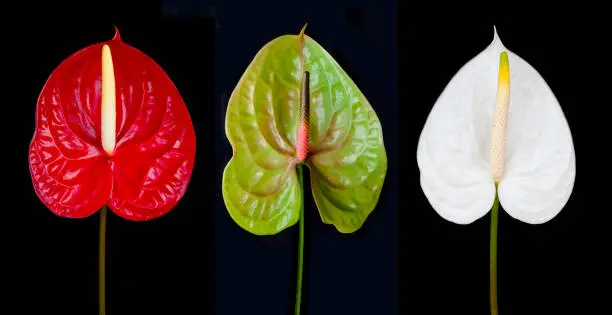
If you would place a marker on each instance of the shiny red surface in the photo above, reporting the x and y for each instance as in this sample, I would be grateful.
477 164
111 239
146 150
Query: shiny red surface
151 166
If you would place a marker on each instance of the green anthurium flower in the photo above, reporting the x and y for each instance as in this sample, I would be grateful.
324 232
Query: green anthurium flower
273 129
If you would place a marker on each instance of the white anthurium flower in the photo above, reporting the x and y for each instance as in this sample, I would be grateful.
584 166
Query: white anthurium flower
497 124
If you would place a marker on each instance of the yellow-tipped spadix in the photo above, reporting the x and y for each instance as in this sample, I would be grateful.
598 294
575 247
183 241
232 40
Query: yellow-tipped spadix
500 119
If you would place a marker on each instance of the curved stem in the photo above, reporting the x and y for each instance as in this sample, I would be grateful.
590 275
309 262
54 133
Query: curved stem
101 261
493 255
298 294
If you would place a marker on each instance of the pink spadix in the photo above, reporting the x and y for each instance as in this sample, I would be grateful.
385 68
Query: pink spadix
302 136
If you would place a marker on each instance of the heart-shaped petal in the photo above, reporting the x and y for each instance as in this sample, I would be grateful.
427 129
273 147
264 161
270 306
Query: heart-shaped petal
454 147
345 151
150 167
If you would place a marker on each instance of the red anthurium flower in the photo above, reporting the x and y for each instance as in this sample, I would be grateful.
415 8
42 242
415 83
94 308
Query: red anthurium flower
111 129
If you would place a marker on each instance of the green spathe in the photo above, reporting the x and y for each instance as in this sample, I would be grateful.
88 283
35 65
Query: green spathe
347 158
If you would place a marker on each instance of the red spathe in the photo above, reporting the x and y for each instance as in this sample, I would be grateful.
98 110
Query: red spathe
154 154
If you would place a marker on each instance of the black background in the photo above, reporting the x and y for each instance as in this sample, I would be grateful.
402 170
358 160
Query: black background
195 260
553 268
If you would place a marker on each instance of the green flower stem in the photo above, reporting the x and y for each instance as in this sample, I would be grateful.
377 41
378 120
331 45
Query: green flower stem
493 254
101 261
298 294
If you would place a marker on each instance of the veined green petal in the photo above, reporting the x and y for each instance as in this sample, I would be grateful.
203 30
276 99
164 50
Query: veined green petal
346 150
256 207
260 186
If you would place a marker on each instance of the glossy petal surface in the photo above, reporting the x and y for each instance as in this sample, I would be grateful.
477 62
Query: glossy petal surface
453 151
151 166
347 157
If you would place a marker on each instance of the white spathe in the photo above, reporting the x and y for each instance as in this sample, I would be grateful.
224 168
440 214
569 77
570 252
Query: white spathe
454 147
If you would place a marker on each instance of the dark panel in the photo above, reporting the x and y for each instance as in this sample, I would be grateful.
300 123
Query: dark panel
164 266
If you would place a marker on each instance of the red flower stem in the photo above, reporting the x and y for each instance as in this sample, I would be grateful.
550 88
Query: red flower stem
101 261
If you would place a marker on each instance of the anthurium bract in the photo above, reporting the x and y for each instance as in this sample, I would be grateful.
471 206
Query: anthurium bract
339 137
522 143
497 135
111 129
